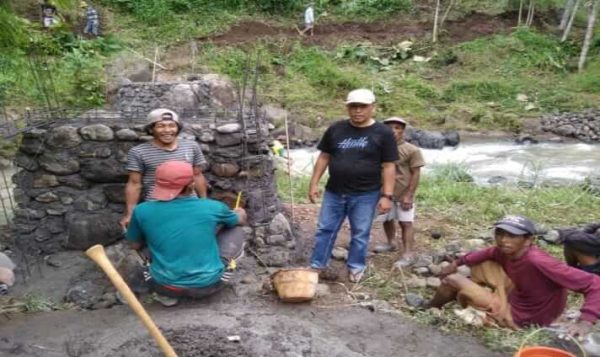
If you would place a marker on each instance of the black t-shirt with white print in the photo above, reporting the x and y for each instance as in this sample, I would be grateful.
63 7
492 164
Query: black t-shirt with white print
357 155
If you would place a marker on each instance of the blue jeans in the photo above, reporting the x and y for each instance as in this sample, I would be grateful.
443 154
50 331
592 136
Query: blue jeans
92 27
360 210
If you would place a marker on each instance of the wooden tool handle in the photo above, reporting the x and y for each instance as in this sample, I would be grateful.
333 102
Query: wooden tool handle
97 254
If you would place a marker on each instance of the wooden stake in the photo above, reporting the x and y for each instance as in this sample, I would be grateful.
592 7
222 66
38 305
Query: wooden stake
289 162
147 59
238 199
154 66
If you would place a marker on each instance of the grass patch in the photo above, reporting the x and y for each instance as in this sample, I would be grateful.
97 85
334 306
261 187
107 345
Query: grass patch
28 303
473 85
470 205
298 189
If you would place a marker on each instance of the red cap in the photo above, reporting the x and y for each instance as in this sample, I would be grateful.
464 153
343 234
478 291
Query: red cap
171 178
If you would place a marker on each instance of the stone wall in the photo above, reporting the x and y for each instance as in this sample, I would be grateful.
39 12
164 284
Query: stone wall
584 126
70 189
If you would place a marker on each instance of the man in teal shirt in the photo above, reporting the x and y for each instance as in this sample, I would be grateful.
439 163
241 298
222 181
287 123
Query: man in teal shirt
180 231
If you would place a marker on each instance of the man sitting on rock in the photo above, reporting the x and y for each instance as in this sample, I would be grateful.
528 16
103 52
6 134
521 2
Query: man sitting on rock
142 161
179 229
528 286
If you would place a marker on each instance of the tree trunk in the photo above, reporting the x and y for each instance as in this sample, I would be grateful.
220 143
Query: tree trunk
450 5
565 16
570 23
435 21
520 12
588 34
530 13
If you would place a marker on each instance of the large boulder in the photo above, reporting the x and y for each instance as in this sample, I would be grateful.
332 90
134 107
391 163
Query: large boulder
103 170
97 132
63 137
425 139
221 90
85 229
26 162
186 96
274 114
129 67
452 138
59 163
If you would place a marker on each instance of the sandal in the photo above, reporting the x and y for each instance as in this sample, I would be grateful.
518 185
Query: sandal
356 277
384 248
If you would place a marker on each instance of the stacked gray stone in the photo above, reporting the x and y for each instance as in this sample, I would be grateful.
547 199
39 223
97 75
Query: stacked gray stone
584 125
70 189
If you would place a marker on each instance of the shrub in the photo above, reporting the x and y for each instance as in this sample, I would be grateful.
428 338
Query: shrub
452 172
375 8
320 70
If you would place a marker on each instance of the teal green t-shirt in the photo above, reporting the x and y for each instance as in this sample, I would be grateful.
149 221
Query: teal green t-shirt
181 237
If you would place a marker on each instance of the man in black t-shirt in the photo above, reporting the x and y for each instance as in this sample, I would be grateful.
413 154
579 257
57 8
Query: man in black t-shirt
358 152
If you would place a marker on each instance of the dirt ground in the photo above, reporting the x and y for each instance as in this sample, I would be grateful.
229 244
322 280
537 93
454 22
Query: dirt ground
332 34
265 328
331 325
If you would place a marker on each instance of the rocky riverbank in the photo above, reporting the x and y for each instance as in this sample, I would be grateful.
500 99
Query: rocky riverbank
584 125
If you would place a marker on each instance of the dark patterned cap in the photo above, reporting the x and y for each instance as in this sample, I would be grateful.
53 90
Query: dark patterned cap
518 225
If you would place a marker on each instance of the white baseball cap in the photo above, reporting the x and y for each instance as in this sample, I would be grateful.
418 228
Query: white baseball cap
363 96
397 120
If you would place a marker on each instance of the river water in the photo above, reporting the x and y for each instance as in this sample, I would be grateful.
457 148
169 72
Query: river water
560 163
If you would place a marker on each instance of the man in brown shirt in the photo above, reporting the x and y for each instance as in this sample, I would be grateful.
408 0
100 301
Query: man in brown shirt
408 171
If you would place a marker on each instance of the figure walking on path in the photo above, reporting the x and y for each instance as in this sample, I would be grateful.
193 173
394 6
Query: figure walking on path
408 172
92 25
358 152
309 20
48 14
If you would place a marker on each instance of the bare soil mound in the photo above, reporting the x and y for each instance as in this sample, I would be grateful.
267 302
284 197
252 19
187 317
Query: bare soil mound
187 341
328 34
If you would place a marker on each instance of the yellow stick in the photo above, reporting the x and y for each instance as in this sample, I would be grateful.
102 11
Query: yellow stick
237 201
97 254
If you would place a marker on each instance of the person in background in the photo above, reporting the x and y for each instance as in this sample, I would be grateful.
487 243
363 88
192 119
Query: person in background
359 154
278 148
517 284
582 247
309 20
408 173
92 24
48 11
143 160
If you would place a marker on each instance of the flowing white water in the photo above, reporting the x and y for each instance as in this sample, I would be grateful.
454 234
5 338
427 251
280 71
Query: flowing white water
545 162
